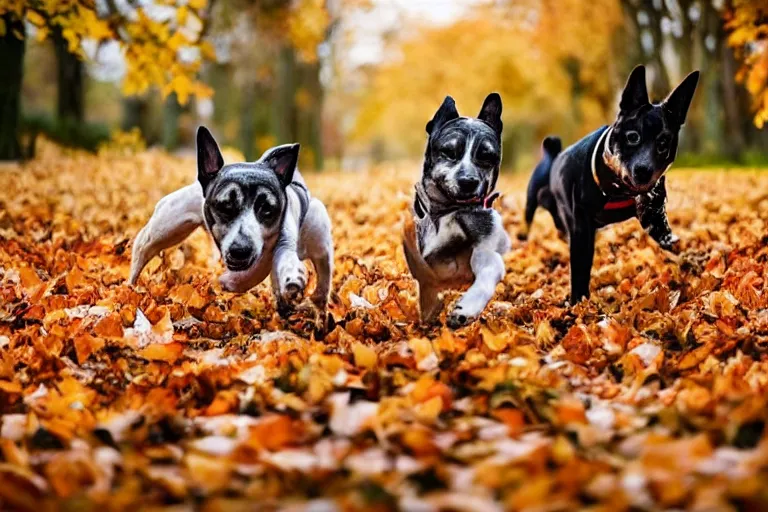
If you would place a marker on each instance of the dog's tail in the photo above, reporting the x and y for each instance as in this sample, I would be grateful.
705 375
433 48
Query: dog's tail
550 148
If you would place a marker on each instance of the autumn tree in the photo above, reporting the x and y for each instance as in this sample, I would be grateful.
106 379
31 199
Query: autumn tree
161 42
12 57
748 22
672 38
560 65
270 73
552 64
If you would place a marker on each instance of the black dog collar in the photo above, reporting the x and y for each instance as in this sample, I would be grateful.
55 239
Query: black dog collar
422 206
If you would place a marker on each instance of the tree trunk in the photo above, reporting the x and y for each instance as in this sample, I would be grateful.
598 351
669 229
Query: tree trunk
660 85
136 115
12 57
310 111
686 50
248 122
284 106
736 142
70 105
572 68
171 113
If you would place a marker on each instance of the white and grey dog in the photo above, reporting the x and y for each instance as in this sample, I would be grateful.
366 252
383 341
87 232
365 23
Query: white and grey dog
260 216
455 237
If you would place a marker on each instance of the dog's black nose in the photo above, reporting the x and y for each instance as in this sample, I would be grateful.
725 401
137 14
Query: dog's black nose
643 173
468 184
239 253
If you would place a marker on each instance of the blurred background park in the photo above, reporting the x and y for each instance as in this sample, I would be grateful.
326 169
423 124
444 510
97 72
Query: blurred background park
355 81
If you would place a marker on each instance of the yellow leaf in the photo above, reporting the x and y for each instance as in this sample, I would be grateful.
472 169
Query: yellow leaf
181 15
35 18
429 410
365 356
495 342
168 352
207 50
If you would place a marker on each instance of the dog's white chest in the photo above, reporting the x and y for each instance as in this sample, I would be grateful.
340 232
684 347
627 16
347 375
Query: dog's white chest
444 250
439 236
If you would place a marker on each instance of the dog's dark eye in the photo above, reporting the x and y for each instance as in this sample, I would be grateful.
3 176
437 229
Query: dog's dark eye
226 208
267 212
485 158
633 138
448 152
662 145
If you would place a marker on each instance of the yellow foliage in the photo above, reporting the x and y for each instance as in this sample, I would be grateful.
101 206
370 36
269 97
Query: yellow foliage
496 49
301 24
749 37
166 53
123 143
307 26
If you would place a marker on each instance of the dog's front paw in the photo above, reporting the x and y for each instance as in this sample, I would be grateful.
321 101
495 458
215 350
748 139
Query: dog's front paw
670 242
459 317
284 308
293 280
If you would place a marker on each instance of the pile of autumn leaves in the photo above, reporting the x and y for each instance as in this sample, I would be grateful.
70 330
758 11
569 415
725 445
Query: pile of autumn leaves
653 395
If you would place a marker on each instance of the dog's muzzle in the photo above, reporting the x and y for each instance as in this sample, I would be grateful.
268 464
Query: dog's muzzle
239 257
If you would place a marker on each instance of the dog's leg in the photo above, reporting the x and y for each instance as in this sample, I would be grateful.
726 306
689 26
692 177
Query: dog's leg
488 268
531 203
176 216
582 247
289 276
548 202
652 212
430 302
316 243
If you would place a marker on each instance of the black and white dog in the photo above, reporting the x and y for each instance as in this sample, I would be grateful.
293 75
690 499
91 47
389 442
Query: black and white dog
612 175
261 218
455 237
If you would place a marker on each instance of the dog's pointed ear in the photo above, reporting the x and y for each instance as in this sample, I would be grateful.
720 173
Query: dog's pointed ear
635 94
446 112
282 160
491 112
209 159
679 100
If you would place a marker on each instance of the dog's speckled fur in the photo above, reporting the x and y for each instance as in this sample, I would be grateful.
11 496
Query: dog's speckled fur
455 238
261 217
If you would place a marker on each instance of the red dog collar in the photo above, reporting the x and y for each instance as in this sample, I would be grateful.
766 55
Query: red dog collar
618 205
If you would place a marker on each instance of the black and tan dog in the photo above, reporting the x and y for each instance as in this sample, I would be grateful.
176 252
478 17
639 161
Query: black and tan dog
612 175
455 237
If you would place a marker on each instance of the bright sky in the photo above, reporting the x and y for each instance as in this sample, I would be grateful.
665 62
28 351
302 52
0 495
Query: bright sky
368 28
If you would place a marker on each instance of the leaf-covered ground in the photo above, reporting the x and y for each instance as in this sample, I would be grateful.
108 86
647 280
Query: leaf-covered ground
651 396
